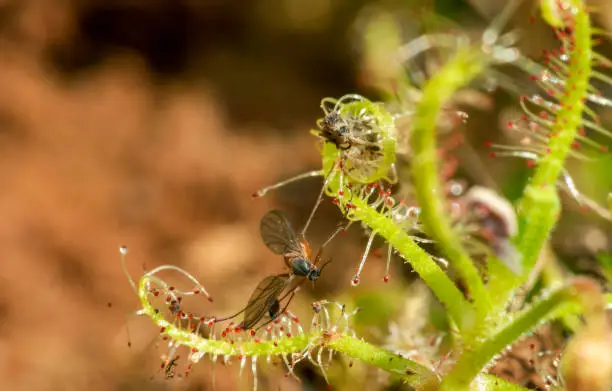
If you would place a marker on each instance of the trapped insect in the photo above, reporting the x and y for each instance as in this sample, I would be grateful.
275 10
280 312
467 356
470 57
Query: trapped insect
348 131
363 133
170 367
266 299
280 237
359 147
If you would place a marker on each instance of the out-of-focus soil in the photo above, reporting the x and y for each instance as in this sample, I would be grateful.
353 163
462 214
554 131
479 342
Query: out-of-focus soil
121 147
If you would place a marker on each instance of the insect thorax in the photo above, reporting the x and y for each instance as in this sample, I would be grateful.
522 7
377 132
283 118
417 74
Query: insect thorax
299 266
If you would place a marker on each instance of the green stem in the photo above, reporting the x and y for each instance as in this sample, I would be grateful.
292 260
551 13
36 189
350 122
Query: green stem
472 362
409 371
560 302
357 209
489 382
552 277
456 73
415 374
538 211
459 309
539 207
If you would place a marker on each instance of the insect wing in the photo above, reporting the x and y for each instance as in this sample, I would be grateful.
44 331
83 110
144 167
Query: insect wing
277 233
263 299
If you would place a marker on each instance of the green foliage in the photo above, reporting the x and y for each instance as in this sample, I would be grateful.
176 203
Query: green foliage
484 325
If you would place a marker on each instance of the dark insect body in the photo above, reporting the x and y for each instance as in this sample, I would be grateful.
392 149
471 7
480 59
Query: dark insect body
170 367
333 130
265 300
347 133
280 237
363 136
278 234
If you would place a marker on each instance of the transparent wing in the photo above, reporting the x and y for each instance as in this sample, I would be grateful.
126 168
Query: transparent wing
277 233
263 299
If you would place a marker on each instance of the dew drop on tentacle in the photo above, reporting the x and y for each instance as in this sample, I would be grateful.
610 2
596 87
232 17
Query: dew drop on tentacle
355 280
389 255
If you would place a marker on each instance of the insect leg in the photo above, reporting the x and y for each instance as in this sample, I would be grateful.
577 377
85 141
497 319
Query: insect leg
341 228
354 97
291 294
331 101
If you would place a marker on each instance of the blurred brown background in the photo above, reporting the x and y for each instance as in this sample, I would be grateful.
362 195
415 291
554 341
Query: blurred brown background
149 123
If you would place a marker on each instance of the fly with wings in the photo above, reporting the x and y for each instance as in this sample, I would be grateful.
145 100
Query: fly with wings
273 294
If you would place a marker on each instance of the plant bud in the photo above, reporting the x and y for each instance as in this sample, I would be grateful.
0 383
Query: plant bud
498 223
587 362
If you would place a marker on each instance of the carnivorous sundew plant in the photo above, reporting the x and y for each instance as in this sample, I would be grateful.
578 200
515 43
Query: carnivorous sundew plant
389 168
